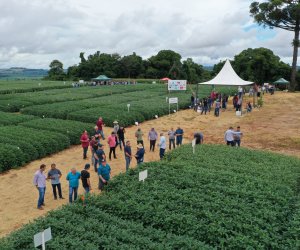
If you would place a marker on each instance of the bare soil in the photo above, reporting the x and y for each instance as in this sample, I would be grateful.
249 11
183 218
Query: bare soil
274 127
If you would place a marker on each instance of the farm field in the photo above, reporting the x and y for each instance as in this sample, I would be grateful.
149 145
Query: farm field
189 201
260 131
65 113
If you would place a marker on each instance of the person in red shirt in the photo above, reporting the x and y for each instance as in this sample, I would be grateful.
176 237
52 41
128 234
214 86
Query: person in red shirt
85 142
100 125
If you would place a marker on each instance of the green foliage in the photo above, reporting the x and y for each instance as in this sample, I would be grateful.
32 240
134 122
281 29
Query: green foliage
217 198
281 14
22 86
13 119
27 144
71 129
56 71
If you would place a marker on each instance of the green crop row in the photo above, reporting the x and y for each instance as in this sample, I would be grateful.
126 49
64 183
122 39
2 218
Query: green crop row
218 198
15 102
71 129
27 144
22 86
13 119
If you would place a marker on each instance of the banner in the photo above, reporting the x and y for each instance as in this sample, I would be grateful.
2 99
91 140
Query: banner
177 85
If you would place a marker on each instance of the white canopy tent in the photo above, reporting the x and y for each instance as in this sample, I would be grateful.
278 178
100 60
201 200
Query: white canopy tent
227 77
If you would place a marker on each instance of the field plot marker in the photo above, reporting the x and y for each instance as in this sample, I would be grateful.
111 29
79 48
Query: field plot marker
42 237
143 175
194 145
128 106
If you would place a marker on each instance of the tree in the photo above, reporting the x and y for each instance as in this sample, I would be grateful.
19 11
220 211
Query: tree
259 65
56 71
131 66
283 14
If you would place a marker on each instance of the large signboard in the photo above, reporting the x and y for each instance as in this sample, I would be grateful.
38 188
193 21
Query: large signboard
177 85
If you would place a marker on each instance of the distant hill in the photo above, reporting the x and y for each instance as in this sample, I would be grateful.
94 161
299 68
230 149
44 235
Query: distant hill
209 68
20 73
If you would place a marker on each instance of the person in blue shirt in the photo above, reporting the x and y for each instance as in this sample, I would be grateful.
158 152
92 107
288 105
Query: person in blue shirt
104 174
139 156
73 178
179 136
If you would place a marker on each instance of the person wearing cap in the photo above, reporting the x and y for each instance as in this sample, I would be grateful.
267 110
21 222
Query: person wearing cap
128 154
139 156
229 139
152 136
85 143
73 178
99 155
162 146
116 129
104 174
111 140
139 137
85 178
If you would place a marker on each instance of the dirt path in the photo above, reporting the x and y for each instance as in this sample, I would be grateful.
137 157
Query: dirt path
274 127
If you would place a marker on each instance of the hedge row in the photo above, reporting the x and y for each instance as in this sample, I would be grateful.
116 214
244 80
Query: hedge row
71 129
15 102
32 143
218 198
14 119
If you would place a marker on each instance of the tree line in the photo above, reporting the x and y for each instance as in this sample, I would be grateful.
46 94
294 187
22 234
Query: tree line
259 65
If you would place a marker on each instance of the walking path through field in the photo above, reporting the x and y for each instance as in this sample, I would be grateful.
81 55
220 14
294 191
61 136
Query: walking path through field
275 127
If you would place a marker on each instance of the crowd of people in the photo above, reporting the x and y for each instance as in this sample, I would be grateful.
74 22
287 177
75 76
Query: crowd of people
116 139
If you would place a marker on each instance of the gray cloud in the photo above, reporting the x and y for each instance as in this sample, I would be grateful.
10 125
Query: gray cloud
34 32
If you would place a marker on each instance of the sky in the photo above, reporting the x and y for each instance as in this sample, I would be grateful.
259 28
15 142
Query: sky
35 32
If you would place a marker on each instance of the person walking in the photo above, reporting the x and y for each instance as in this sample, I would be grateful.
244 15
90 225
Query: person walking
152 136
111 140
128 154
54 175
100 125
172 135
139 156
104 174
73 178
199 138
85 143
85 178
139 137
121 136
229 137
99 155
162 146
204 106
39 180
237 135
179 136
93 147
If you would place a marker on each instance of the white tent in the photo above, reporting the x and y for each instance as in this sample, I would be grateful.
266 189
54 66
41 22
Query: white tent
228 77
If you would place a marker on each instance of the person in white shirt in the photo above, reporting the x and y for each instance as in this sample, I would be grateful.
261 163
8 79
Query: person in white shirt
162 146
240 90
229 137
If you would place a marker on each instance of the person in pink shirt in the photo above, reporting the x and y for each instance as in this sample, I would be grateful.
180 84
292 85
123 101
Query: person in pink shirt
111 140
85 142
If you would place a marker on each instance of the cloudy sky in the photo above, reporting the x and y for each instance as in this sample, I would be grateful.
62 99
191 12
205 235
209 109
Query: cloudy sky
34 32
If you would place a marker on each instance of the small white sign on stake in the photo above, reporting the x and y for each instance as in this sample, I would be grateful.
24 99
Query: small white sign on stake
128 106
193 145
143 175
42 237
173 100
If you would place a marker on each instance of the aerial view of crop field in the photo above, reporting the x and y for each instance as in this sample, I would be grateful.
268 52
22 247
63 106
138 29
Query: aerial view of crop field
149 125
